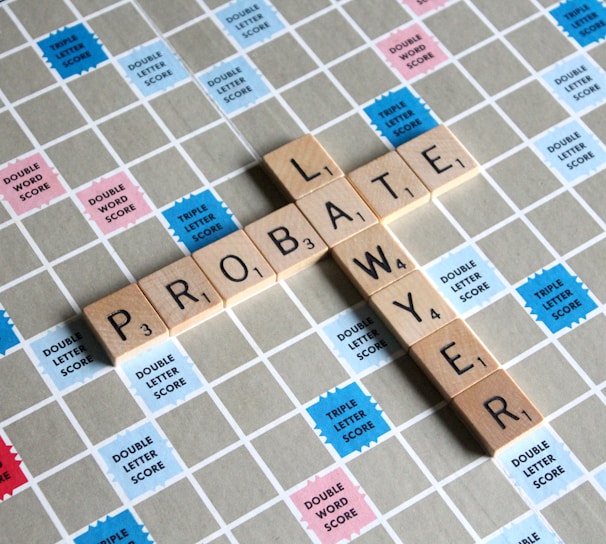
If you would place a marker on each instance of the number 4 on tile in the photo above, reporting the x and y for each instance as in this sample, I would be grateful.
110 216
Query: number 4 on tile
412 307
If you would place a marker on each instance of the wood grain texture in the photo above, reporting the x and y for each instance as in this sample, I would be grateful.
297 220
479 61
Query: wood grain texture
301 166
372 259
181 294
337 212
235 267
287 240
125 323
389 186
497 411
439 159
412 307
453 358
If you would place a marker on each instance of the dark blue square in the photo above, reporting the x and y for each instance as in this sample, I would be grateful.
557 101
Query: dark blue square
72 50
583 20
199 220
557 298
121 528
348 418
8 338
400 116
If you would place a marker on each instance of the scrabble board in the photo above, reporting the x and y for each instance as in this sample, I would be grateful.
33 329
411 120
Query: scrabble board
136 133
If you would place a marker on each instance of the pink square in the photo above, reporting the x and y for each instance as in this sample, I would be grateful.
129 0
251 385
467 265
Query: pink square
333 507
412 51
114 202
423 6
30 183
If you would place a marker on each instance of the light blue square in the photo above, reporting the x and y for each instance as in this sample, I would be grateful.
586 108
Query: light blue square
234 85
153 68
162 376
540 465
250 21
361 338
571 150
70 354
466 279
577 82
400 116
140 460
531 528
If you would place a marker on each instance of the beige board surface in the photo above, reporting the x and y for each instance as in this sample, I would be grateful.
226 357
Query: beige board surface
238 443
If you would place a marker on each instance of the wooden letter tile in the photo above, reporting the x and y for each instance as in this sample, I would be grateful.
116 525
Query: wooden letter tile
125 323
301 166
439 159
287 240
373 259
337 211
496 410
235 267
181 294
389 186
453 358
412 307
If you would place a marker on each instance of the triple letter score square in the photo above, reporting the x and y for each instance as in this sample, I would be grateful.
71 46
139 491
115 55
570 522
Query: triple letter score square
345 216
